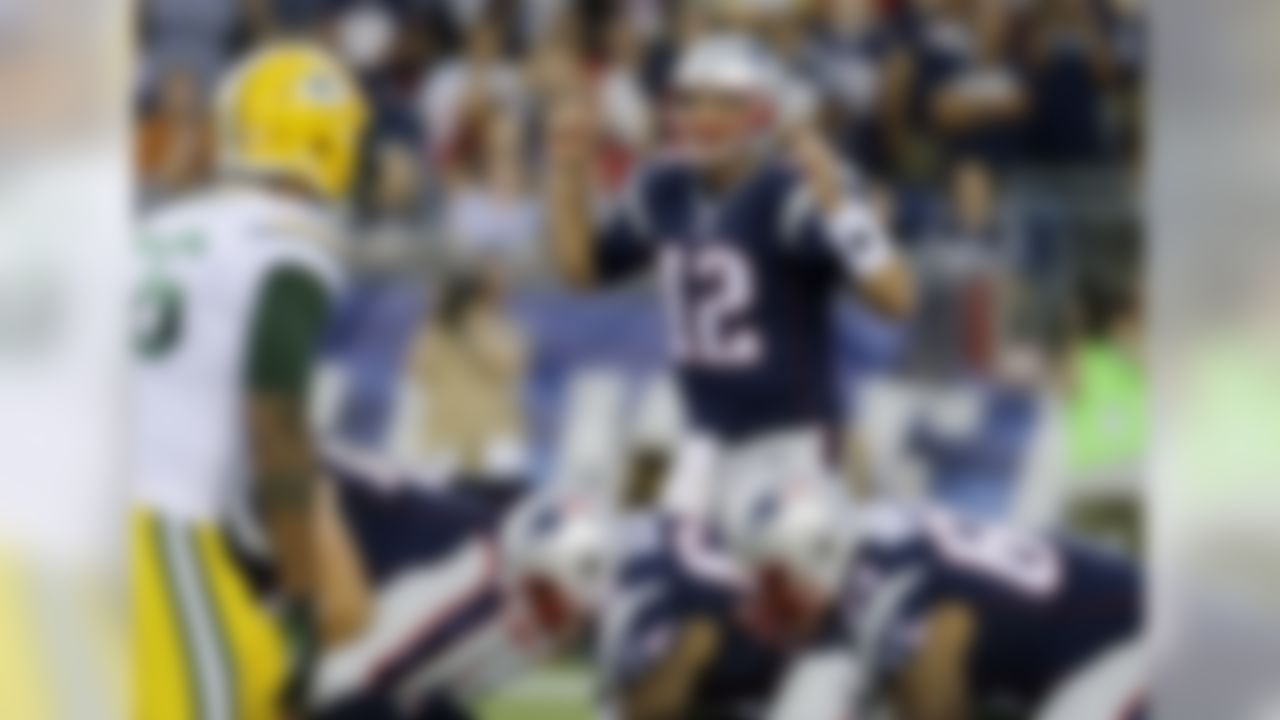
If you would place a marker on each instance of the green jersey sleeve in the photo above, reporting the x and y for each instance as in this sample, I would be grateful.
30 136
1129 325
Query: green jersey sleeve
291 313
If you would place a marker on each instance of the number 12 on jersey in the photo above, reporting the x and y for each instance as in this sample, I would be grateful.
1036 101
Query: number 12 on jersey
708 291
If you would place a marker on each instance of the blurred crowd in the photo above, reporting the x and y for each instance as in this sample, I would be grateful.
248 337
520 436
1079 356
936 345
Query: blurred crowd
1002 137
952 94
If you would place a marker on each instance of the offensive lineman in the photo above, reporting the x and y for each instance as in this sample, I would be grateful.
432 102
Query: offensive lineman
940 616
751 250
236 285
674 642
466 599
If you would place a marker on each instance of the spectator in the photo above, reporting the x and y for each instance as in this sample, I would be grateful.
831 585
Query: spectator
1106 419
554 68
1106 387
684 25
491 209
864 73
973 96
1071 62
470 361
364 34
456 96
392 208
200 35
175 143
960 261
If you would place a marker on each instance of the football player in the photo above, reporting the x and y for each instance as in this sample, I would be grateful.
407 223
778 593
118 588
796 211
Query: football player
673 641
236 284
943 617
466 599
754 227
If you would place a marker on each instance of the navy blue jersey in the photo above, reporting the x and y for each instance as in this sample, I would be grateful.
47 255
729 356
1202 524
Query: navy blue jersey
444 629
670 573
396 520
1043 607
406 527
748 280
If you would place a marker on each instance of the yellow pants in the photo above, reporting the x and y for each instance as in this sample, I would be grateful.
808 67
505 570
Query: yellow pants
204 648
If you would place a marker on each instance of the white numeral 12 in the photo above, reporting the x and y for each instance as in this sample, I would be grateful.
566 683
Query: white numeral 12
707 290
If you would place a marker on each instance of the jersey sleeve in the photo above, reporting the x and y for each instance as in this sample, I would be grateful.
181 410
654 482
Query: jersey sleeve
624 243
290 315
853 240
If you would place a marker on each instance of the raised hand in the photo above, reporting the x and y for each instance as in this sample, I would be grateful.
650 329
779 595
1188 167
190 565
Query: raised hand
820 166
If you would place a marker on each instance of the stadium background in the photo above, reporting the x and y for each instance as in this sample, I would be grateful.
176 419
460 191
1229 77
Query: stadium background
1001 137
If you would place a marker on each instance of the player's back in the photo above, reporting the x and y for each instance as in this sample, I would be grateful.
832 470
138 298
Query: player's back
1042 607
670 573
748 289
443 631
202 264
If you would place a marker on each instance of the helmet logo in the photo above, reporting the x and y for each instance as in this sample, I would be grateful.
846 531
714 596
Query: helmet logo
545 521
323 89
766 509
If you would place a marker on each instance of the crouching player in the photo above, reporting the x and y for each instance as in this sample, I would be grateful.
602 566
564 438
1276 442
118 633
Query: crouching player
673 642
465 600
943 618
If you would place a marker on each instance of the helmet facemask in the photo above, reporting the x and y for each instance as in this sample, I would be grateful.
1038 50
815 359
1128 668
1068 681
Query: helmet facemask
558 565
797 553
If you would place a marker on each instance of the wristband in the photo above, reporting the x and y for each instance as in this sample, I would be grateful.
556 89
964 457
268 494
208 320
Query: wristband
858 239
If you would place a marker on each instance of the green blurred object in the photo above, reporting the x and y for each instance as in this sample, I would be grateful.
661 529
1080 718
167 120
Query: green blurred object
1226 440
1107 410
557 693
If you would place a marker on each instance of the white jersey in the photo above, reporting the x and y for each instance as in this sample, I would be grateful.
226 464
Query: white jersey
203 265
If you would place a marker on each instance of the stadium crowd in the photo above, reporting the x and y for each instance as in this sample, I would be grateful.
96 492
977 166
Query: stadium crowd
1001 138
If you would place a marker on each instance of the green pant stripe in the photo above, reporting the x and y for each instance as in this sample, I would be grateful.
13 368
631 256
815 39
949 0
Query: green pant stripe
169 583
221 626
201 630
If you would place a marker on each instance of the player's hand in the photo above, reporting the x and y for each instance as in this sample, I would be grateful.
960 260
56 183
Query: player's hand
820 166
571 132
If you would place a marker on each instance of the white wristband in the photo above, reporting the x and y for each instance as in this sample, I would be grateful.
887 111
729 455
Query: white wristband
859 240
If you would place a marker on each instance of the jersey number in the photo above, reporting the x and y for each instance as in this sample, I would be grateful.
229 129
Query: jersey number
707 291
159 308
158 316
1015 559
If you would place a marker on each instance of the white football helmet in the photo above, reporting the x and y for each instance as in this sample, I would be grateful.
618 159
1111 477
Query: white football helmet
729 64
770 98
809 531
561 543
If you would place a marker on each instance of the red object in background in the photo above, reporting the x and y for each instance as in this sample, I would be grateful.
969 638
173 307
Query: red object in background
978 324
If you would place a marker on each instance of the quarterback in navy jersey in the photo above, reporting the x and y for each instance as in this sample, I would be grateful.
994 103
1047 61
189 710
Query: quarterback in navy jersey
673 643
753 227
943 617
465 599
